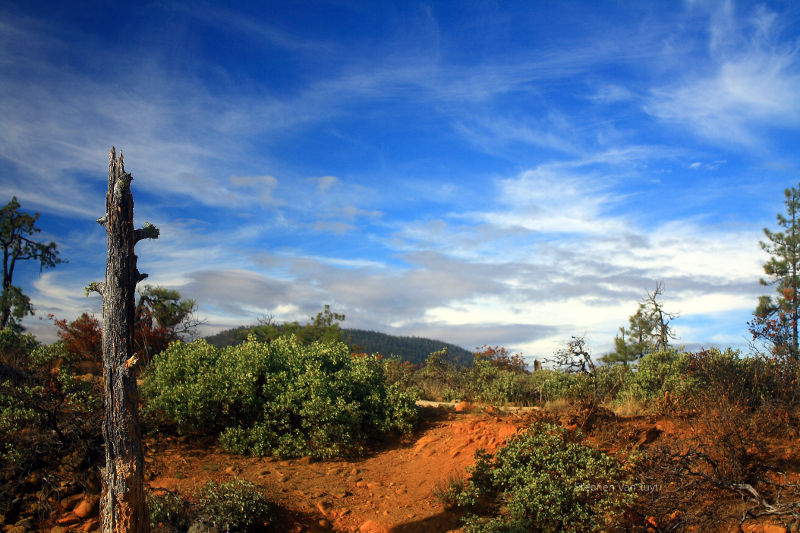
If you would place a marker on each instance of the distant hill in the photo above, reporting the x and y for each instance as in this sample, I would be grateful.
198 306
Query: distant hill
412 349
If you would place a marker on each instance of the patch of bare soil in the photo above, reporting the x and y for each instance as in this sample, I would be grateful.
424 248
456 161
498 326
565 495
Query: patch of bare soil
390 489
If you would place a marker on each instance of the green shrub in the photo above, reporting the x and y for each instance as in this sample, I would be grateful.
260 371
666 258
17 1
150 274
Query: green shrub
448 490
168 511
660 381
544 480
234 506
45 397
552 385
282 398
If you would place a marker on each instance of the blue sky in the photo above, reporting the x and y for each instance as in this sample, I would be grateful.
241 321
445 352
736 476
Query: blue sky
478 172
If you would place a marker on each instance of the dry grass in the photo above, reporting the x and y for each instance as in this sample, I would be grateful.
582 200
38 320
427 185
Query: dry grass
629 407
559 406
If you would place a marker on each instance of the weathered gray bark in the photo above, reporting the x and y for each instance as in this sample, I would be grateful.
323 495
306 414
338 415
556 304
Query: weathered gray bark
123 506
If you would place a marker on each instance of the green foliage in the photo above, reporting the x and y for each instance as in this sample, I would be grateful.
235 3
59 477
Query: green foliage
166 307
283 398
775 320
15 347
45 410
544 479
648 331
450 489
659 381
16 231
415 350
234 506
412 349
167 511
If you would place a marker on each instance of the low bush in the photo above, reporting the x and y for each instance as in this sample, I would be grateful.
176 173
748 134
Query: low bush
47 413
234 506
544 479
660 382
281 398
168 511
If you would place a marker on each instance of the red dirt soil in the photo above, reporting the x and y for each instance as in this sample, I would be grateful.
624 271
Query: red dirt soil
390 490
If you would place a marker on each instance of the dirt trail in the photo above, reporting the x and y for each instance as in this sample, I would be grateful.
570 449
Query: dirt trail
387 490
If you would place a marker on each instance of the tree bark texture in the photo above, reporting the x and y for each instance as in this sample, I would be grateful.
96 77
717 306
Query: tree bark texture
123 506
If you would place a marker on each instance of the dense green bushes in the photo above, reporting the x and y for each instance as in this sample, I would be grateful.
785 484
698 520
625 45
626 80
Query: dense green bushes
280 398
233 506
544 479
664 381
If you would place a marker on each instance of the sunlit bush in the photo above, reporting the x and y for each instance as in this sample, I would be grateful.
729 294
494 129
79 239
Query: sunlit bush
280 398
544 479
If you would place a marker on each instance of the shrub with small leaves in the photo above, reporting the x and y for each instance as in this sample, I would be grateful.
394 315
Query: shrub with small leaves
168 511
281 398
234 506
544 479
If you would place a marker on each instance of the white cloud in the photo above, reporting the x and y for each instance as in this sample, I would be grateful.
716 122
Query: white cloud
754 82
262 187
548 199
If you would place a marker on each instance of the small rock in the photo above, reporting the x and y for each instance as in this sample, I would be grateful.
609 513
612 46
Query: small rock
58 529
232 470
464 406
773 528
91 525
341 494
68 520
324 524
304 460
324 507
354 472
284 463
88 506
371 526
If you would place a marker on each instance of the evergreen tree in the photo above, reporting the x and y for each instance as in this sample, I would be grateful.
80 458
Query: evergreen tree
16 230
775 318
648 330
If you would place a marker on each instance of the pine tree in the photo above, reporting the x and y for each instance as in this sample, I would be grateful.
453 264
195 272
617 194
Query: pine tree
775 318
16 231
648 330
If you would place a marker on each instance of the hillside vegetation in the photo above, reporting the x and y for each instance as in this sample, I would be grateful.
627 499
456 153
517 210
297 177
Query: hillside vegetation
412 349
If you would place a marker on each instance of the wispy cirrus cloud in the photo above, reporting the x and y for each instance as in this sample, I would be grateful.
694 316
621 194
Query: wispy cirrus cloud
754 81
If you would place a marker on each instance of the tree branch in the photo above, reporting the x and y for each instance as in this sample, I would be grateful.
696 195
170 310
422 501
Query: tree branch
149 231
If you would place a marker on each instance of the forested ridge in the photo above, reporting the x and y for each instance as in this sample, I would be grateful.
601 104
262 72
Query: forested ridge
412 349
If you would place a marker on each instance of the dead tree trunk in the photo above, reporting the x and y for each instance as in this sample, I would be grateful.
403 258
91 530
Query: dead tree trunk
123 506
